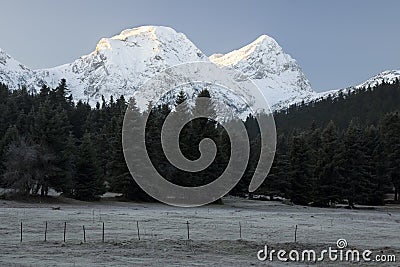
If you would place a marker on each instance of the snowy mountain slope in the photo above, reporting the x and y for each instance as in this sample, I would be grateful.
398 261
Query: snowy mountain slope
276 73
121 64
12 72
388 76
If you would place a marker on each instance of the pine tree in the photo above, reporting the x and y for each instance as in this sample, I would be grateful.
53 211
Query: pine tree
11 136
278 181
313 139
206 106
51 132
182 114
329 181
69 157
380 182
121 178
201 128
353 166
391 130
79 118
88 185
180 98
300 171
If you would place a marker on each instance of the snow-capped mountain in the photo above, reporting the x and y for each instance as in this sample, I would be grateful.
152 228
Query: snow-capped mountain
117 66
388 76
276 73
121 64
12 72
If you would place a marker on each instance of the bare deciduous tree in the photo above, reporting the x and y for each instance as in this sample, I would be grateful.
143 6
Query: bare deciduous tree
28 167
21 162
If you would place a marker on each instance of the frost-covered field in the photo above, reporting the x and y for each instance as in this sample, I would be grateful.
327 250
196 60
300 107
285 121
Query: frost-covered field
214 233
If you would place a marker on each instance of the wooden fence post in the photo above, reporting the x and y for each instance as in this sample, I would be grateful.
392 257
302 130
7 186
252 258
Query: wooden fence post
240 230
84 234
137 226
45 233
65 229
102 238
188 233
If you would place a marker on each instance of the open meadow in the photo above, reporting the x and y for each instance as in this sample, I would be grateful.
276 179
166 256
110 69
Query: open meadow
214 231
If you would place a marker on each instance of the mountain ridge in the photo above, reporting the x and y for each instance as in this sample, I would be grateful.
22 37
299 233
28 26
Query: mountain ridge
120 64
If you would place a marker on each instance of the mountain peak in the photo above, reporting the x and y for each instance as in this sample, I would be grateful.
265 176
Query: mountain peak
276 73
150 31
10 63
262 44
264 40
136 37
122 63
135 31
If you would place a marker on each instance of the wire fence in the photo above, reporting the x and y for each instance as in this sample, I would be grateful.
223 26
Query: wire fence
76 225
103 227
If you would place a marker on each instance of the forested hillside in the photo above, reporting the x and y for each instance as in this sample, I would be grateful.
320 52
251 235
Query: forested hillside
365 105
48 141
340 148
343 149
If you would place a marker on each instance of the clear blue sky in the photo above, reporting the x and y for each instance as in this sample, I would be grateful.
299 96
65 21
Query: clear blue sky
338 43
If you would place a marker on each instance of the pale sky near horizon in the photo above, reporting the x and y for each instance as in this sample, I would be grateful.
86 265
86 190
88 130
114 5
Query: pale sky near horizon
338 43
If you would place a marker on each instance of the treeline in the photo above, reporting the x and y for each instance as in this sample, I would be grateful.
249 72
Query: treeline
340 149
366 105
325 166
49 141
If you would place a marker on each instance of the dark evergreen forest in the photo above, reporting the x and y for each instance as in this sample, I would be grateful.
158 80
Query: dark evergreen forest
342 149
